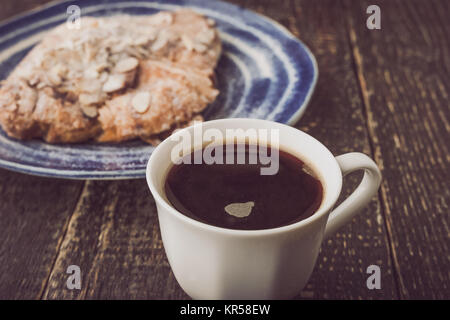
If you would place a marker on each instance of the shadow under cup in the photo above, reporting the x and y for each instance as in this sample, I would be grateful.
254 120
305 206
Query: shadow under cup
216 263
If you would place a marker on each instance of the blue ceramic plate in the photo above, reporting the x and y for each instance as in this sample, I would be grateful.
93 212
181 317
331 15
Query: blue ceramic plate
264 72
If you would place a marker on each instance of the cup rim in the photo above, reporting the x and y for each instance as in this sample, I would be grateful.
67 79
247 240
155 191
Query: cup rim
323 210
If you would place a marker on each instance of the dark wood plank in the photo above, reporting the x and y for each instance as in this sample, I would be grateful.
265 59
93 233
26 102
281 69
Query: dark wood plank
11 8
336 117
403 72
113 235
34 213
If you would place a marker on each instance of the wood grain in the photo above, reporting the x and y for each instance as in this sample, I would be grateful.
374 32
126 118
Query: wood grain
34 213
12 8
336 117
114 237
403 71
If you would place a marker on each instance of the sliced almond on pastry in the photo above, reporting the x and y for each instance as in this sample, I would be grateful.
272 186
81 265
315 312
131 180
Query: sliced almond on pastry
126 65
90 98
141 102
114 82
89 111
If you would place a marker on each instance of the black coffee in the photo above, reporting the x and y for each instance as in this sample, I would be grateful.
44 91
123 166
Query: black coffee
238 196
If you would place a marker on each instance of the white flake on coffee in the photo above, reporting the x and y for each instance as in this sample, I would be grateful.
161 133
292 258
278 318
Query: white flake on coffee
240 210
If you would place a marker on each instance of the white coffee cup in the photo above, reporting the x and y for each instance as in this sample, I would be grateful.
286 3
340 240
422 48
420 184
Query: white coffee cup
216 263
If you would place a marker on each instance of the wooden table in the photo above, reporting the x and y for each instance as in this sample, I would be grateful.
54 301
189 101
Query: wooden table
383 92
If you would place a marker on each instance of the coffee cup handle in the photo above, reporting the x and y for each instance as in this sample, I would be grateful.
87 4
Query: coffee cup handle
361 196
